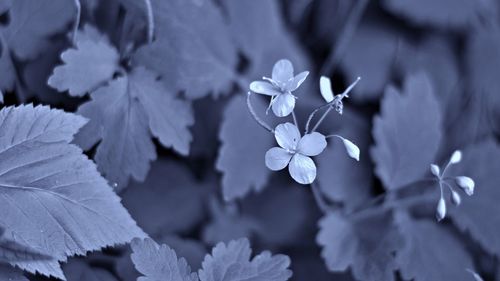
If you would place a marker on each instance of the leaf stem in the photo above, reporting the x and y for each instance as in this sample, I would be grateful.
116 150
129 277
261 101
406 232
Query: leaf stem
254 115
78 6
345 37
151 23
323 206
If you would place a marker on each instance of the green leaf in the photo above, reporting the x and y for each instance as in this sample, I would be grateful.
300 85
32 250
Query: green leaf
57 202
407 133
125 115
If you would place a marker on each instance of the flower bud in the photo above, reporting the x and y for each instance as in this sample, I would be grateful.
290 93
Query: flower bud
441 209
456 157
466 183
435 170
455 198
351 149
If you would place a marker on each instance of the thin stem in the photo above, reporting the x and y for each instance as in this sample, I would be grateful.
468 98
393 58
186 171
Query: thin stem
77 20
295 119
334 136
341 96
323 206
309 119
150 17
345 37
254 115
322 118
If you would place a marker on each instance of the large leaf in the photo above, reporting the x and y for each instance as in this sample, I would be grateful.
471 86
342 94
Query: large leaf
192 49
407 132
375 70
430 252
125 115
244 144
478 214
54 199
366 245
340 177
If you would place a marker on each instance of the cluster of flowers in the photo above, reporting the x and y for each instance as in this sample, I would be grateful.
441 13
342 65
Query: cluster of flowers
295 150
465 183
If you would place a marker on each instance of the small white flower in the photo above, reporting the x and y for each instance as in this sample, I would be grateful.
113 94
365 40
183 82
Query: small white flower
466 183
455 198
435 170
441 209
280 87
294 151
456 157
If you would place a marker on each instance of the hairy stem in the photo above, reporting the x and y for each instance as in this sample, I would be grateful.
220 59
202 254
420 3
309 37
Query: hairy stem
77 20
257 118
345 37
295 119
150 18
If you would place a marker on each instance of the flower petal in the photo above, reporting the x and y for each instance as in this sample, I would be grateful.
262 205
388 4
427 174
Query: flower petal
282 71
283 105
302 169
312 144
325 87
296 81
287 135
277 158
264 88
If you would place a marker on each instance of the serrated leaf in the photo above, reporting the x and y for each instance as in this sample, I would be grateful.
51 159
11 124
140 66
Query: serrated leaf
407 132
242 139
159 262
192 49
57 202
476 215
366 246
125 115
11 274
11 250
171 191
90 64
440 13
430 252
231 262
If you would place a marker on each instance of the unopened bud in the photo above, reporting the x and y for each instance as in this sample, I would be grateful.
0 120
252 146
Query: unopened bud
456 157
441 209
351 148
466 183
435 170
455 198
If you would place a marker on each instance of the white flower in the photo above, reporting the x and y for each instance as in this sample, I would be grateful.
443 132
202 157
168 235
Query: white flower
294 151
280 87
466 183
456 157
